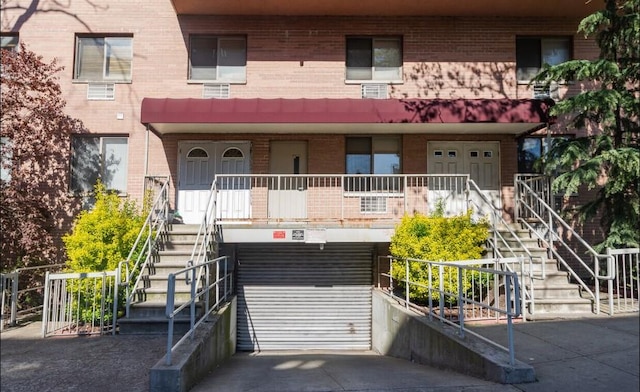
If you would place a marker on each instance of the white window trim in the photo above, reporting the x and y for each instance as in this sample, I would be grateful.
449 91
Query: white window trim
373 67
542 38
104 79
219 80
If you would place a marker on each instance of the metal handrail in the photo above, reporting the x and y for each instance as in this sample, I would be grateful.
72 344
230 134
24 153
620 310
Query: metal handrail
155 226
512 309
222 281
11 280
555 238
498 218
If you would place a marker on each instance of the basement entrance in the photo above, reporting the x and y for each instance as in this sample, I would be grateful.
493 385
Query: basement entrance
298 296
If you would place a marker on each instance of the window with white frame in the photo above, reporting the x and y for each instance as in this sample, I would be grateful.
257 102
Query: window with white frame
533 52
218 58
374 59
531 151
99 158
373 155
103 59
9 42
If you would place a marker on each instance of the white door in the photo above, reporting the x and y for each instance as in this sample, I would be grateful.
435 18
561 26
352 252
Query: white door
288 194
199 162
197 165
478 159
233 202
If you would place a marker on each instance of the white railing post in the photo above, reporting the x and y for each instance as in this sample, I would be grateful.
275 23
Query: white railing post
610 281
45 305
171 289
509 308
15 279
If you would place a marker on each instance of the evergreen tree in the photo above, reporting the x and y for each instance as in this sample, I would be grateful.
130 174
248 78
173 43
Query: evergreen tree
608 157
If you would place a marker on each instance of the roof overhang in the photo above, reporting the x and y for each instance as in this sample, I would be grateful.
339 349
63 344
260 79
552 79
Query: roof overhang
305 116
497 8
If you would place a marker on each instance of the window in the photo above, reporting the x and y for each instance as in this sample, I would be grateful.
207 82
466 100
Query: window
533 52
530 150
374 58
103 158
103 59
6 154
9 42
373 155
218 59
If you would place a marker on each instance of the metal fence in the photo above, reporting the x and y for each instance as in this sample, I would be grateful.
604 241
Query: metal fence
80 303
623 290
22 293
210 283
458 292
331 198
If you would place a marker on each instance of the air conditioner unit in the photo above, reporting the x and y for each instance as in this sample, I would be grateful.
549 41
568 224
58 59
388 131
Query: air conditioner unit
101 91
375 91
216 90
544 91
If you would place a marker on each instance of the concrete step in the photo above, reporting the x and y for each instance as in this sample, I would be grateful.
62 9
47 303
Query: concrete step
563 305
149 318
560 292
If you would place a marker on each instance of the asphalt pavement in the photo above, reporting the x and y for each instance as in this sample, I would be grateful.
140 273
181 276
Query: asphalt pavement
589 354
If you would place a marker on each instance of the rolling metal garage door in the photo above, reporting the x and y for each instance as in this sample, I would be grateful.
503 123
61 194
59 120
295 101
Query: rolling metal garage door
300 297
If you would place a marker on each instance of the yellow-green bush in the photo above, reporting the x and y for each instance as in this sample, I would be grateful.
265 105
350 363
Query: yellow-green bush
100 239
436 238
104 235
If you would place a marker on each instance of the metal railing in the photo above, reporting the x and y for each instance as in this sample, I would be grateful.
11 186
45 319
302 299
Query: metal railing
335 198
535 213
26 301
80 303
498 245
145 247
457 292
623 291
217 278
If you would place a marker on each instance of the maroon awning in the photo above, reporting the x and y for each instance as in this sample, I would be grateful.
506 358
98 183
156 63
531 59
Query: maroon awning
168 115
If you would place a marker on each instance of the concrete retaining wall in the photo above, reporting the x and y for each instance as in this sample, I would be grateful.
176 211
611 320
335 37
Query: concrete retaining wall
214 342
399 333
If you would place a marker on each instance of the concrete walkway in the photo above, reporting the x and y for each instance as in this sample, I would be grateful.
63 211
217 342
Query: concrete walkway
587 355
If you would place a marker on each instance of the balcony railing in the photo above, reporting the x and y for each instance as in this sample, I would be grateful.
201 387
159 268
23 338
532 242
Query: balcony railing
336 199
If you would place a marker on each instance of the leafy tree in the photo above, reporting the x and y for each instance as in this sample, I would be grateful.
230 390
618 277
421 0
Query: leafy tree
607 158
35 152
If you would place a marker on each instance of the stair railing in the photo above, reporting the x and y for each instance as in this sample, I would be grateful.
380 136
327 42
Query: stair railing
498 241
145 247
205 239
534 210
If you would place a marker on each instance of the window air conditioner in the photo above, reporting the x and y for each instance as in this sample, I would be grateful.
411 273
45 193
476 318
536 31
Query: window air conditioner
101 91
375 91
216 90
543 91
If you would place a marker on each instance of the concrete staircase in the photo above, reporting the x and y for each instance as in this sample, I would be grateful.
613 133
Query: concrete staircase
555 296
147 312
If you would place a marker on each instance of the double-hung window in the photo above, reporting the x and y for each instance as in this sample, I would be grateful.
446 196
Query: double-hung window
9 42
534 52
99 158
218 58
103 59
532 149
373 155
374 59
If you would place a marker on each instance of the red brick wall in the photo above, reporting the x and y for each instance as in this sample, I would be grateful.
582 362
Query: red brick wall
288 57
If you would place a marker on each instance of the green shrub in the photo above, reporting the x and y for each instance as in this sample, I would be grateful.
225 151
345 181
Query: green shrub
100 239
104 235
437 238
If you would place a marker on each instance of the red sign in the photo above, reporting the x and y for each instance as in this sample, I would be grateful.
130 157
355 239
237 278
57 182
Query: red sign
279 234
